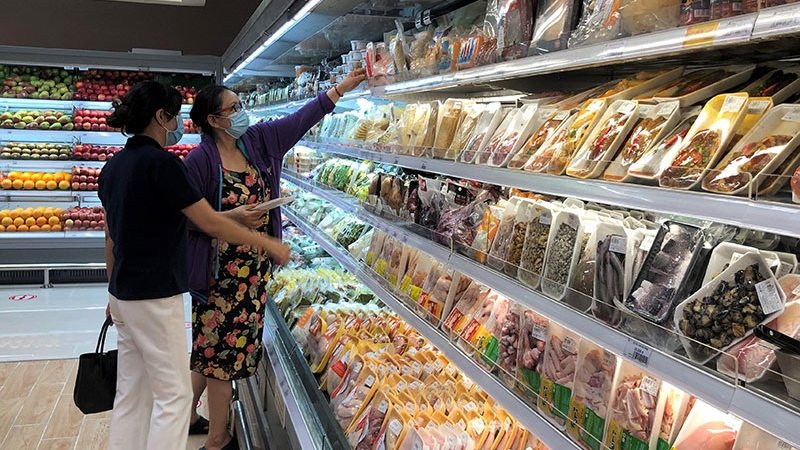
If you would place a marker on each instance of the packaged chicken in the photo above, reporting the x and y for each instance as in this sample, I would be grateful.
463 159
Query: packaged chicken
601 146
476 332
676 408
503 345
558 373
703 84
555 19
707 428
705 141
447 122
470 118
391 431
497 137
488 344
649 166
525 122
760 152
490 119
352 404
397 263
591 395
564 150
388 250
417 272
635 416
751 437
375 247
366 428
653 123
647 16
552 119
465 307
485 235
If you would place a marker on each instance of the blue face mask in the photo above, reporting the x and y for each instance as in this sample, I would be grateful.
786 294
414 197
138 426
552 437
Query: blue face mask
174 136
240 122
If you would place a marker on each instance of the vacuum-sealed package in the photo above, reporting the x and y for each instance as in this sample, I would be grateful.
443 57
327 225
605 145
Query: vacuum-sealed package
554 21
600 22
514 28
647 16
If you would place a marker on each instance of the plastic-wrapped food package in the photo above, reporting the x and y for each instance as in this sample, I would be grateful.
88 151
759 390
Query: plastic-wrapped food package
650 165
489 346
497 137
634 418
562 252
768 144
600 22
695 11
514 28
375 247
700 85
583 123
591 397
459 225
476 333
647 16
757 107
654 121
476 48
610 276
525 214
753 438
527 119
779 84
537 237
447 122
485 128
509 345
435 294
500 246
708 136
541 158
417 270
469 121
423 129
554 22
721 9
379 65
366 428
558 373
707 428
485 234
462 311
530 352
391 430
602 143
552 120
676 408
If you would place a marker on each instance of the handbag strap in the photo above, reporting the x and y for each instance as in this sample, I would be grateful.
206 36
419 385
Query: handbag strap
101 340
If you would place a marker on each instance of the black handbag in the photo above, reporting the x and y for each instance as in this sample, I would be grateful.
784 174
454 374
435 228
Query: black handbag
96 383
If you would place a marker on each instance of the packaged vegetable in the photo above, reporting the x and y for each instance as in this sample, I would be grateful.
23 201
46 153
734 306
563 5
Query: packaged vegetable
555 19
634 419
558 373
708 136
591 394
584 121
707 428
602 143
653 123
767 145
552 120
650 165
484 130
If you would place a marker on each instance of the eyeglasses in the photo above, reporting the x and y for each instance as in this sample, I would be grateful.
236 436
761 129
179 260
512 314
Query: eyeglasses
236 107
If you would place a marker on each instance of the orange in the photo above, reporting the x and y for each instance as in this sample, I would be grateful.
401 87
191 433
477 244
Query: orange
64 185
11 229
25 176
58 176
28 185
48 177
48 213
57 212
38 211
51 185
17 184
19 221
46 227
14 213
2 228
56 227
34 228
41 185
6 183
41 221
54 220
13 175
36 177
30 221
7 221
25 213
22 228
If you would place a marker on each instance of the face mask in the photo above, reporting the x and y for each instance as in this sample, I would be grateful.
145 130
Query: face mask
240 121
174 136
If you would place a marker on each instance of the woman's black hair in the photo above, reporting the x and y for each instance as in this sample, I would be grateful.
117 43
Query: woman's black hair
133 113
207 101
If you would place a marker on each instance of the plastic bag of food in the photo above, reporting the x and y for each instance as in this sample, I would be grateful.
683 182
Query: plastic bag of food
435 294
519 130
562 253
530 352
485 234
558 373
600 22
537 237
514 29
555 20
501 347
501 244
552 120
636 409
610 276
417 272
591 398
647 16
526 213
391 430
601 146
464 308
579 129
447 123
695 11
708 428
579 295
475 48
470 117
505 127
475 333
485 128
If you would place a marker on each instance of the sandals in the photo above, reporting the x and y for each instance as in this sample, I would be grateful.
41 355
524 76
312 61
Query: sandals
232 445
200 426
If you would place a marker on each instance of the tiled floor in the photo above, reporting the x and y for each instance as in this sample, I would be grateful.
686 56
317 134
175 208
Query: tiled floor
37 412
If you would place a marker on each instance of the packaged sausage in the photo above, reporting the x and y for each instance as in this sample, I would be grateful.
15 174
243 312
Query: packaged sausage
611 274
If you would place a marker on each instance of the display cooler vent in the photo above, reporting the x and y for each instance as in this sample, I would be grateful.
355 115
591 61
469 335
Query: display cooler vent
71 276
47 276
12 277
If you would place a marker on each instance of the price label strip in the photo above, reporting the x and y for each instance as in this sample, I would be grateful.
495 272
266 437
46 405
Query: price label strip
637 352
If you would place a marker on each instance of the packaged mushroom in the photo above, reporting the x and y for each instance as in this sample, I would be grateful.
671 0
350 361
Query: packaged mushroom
501 244
552 120
526 213
581 285
566 237
610 273
635 415
726 311
591 394
558 373
537 237
530 352
584 122
604 140
649 166
654 121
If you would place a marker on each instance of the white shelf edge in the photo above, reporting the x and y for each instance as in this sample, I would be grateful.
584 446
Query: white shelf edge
713 389
524 413
39 104
67 137
291 104
772 217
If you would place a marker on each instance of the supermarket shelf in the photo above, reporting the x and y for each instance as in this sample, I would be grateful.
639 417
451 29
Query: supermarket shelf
740 211
50 196
47 165
346 103
78 240
88 137
723 393
511 402
36 104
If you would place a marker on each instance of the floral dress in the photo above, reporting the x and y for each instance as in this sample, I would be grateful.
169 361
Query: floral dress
227 330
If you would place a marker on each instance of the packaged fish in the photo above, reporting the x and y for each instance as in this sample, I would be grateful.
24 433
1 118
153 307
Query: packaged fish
591 394
585 120
705 141
605 139
558 373
650 165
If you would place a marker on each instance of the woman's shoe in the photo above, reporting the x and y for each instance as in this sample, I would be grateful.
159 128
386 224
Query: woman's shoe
233 444
200 426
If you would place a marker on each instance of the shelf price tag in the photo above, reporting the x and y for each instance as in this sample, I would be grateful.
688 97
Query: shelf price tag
776 21
637 352
614 49
735 29
700 34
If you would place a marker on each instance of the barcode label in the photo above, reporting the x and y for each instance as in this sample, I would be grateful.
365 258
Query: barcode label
626 107
401 385
768 295
732 103
383 407
478 426
637 352
471 406
650 385
369 381
539 331
561 115
619 244
647 242
792 116
785 446
796 290
395 426
461 424
667 109
569 345
757 106
595 105
545 218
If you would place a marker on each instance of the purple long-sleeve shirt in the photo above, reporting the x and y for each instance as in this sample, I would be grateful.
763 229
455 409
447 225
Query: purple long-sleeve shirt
264 145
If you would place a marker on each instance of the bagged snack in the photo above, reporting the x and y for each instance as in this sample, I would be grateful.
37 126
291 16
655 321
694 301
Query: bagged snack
552 120
603 142
591 398
558 373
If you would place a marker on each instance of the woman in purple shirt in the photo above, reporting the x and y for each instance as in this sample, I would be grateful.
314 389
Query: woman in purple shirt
236 167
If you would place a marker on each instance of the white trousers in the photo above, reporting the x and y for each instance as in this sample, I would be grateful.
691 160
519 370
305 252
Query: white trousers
154 392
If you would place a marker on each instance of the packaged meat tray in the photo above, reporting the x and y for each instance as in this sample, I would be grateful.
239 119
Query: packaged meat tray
565 244
417 270
649 166
628 88
530 353
652 124
558 373
485 129
779 84
488 344
461 313
552 120
703 84
601 146
676 408
769 185
757 107
760 152
634 418
526 120
707 428
531 264
611 278
706 140
555 20
662 280
565 148
725 311
591 395
470 119
501 349
541 159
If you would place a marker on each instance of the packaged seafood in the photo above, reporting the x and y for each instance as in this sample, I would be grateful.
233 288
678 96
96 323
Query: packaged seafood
669 262
558 373
676 408
753 438
537 237
601 146
725 311
635 414
526 213
650 165
530 352
484 130
707 428
447 123
541 158
501 244
760 152
779 84
552 120
610 274
555 19
723 255
566 239
705 141
653 123
703 84
584 122
581 285
591 394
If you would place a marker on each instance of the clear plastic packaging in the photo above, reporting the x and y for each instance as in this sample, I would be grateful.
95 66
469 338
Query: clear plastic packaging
566 237
530 353
585 120
707 428
600 147
525 121
552 120
647 16
600 22
497 137
500 246
650 165
470 118
558 373
779 84
591 398
540 160
525 214
484 129
554 22
537 237
514 28
695 87
695 11
634 417
610 273
447 123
